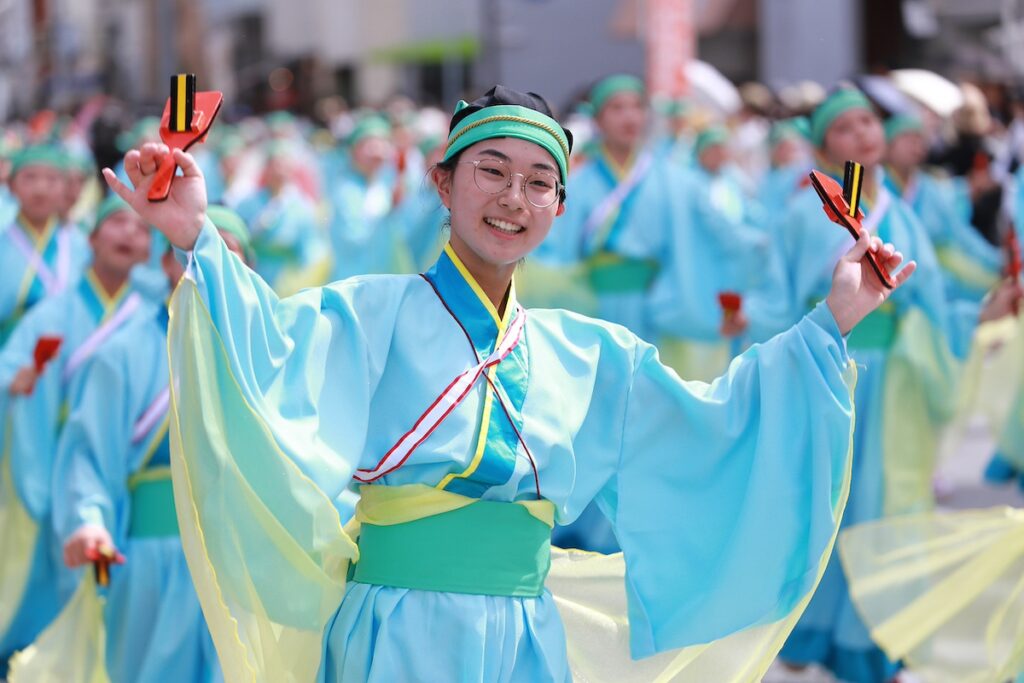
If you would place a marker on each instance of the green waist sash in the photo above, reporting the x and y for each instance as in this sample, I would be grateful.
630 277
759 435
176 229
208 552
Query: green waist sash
610 273
484 548
876 331
152 507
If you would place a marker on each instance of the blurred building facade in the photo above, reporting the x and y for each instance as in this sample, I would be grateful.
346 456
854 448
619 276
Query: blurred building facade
267 54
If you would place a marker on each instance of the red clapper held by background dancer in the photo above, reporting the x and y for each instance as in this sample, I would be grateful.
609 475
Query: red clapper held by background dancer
1013 260
187 119
45 351
842 205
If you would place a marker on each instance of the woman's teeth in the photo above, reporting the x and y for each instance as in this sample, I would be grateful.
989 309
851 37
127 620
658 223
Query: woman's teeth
504 226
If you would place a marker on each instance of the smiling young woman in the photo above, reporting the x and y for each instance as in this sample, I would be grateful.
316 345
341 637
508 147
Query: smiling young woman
472 426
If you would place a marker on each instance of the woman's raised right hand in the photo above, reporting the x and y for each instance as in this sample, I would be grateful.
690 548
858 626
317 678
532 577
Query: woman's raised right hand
181 215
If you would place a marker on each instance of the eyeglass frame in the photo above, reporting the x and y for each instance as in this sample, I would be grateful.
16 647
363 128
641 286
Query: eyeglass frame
559 187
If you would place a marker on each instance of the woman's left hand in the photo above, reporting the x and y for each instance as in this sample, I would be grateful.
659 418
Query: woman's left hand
856 290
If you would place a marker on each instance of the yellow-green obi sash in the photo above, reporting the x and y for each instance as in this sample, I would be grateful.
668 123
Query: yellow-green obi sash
463 545
877 331
614 274
152 506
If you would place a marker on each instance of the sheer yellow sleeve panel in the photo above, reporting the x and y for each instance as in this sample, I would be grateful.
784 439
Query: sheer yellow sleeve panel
72 649
264 545
18 532
943 592
992 385
920 394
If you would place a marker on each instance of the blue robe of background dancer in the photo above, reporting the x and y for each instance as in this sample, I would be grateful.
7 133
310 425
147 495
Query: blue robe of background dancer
32 426
956 241
712 250
155 631
283 230
830 631
635 235
21 288
362 234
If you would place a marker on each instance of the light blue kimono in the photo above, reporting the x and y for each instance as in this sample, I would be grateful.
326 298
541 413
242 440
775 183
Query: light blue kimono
420 221
283 230
777 188
155 631
830 632
956 242
362 232
30 431
711 250
627 249
20 286
721 495
8 207
727 195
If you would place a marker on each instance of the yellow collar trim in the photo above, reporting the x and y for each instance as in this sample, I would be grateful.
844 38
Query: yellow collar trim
502 323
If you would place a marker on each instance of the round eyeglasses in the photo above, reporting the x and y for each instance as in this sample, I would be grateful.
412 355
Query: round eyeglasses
493 176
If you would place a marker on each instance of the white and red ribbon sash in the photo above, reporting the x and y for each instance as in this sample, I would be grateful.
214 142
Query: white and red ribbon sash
154 413
444 404
52 282
93 342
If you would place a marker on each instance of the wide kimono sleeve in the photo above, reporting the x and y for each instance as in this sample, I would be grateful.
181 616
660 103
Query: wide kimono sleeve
90 471
269 406
728 496
283 354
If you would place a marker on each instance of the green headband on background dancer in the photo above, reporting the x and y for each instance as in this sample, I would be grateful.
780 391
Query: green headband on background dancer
899 124
834 106
613 85
505 113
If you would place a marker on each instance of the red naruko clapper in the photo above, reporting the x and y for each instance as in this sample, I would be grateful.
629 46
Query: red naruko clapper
188 116
838 210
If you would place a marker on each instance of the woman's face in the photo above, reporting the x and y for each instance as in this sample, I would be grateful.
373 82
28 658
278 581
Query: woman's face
788 151
120 242
856 135
39 190
496 230
907 150
714 158
622 120
369 154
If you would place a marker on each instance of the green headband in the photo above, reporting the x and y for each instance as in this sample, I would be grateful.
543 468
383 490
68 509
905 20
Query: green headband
368 127
797 128
111 205
230 222
902 123
834 106
510 121
715 135
39 155
613 85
